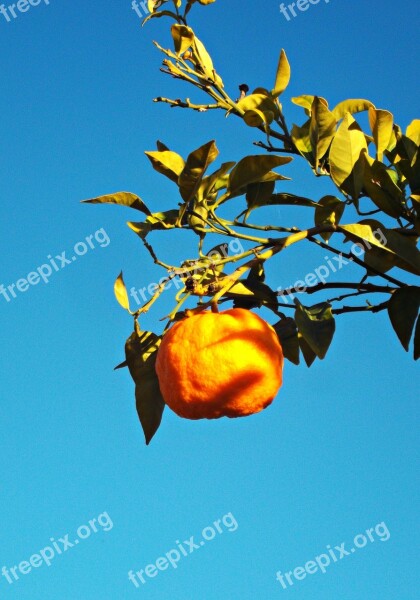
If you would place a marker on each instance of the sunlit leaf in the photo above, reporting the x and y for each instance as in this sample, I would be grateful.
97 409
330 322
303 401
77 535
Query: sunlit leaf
351 106
329 212
167 163
120 292
253 168
283 75
122 199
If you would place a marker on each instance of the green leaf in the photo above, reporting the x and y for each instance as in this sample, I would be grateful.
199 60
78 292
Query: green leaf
317 326
122 199
120 292
329 212
252 169
403 311
251 293
283 75
308 354
346 157
351 106
381 123
321 129
141 351
192 174
167 163
287 333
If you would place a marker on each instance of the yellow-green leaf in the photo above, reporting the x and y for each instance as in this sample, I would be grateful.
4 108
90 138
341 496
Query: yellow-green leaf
413 131
321 129
122 199
317 326
381 123
192 174
283 75
252 169
120 292
351 106
183 37
167 163
346 157
329 212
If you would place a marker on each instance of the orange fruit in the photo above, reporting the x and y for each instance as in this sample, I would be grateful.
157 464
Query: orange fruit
226 364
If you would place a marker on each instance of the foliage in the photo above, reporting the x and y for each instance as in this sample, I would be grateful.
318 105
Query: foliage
378 169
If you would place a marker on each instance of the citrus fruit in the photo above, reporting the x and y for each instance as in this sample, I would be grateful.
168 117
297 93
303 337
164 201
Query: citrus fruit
212 365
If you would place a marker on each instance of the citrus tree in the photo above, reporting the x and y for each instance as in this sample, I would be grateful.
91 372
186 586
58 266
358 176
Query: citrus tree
372 221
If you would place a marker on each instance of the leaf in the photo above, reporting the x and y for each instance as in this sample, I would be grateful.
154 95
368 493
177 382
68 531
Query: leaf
417 341
194 169
156 221
252 169
321 129
283 75
301 139
215 182
120 292
292 200
329 212
259 102
351 106
381 123
158 15
162 147
251 293
141 351
183 37
204 59
308 354
122 199
317 326
380 187
413 131
287 333
401 249
403 311
258 194
167 163
346 157
305 101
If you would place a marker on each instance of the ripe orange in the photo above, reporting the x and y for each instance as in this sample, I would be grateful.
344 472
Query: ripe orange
212 365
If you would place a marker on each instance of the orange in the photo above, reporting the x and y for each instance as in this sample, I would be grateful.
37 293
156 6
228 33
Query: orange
226 364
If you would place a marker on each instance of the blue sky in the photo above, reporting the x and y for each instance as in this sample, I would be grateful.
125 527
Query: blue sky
336 453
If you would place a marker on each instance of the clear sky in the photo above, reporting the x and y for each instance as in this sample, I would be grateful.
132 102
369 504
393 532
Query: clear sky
336 453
